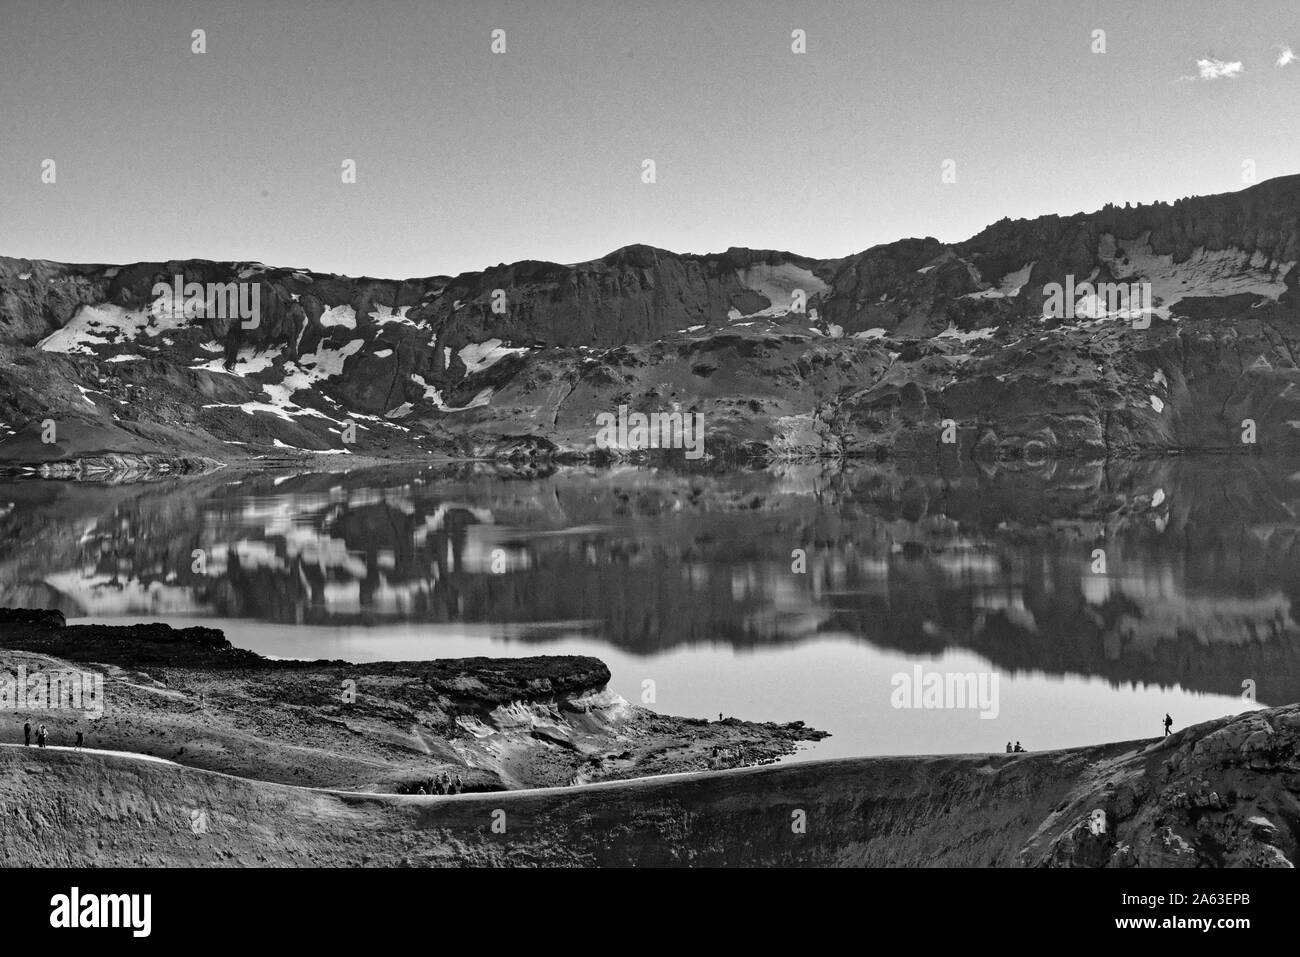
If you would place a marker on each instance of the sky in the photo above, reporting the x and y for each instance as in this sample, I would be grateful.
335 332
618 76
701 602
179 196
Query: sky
466 158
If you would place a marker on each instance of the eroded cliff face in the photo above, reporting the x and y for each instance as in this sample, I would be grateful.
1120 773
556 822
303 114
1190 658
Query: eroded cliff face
990 348
1212 244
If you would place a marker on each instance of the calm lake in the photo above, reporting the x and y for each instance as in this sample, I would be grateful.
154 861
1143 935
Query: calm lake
1084 601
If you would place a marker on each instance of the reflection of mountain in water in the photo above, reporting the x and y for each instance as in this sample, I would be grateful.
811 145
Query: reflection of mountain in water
1199 573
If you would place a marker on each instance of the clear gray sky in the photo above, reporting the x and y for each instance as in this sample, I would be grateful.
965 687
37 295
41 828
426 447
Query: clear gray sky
467 158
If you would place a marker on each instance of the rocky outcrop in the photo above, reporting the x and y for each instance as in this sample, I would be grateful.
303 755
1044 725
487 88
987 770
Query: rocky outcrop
190 696
635 294
1222 794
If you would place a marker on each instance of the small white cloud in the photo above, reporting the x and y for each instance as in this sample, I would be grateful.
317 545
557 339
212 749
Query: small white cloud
1210 69
1285 55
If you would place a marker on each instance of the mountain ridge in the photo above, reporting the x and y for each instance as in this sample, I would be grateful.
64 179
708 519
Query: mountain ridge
786 355
1276 183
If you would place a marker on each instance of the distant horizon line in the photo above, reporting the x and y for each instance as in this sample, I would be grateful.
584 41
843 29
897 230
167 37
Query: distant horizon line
657 249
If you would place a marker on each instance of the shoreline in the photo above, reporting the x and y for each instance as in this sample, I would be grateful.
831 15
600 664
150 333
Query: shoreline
159 465
255 791
496 723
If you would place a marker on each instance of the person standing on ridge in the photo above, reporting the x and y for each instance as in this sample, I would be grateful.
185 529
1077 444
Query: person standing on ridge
1169 723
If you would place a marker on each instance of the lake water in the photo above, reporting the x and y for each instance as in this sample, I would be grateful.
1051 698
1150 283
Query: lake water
1085 601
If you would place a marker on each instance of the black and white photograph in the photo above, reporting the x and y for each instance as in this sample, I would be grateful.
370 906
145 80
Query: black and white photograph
671 434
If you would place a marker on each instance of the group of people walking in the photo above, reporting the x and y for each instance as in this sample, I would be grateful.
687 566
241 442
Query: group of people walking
42 735
443 784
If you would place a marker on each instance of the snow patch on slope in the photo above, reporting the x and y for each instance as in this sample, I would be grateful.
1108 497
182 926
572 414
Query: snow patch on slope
384 315
478 356
952 332
343 316
1220 272
777 284
1008 287
310 369
246 362
110 324
484 397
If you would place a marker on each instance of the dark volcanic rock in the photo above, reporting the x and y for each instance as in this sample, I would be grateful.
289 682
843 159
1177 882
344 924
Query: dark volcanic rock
485 681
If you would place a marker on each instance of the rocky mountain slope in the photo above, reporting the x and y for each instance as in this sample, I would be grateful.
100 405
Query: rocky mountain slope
914 347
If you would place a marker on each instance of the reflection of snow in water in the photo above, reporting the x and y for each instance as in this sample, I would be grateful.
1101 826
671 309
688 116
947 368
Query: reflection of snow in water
705 599
107 595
